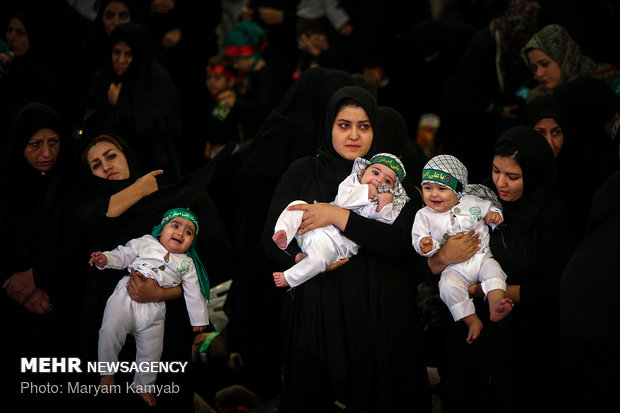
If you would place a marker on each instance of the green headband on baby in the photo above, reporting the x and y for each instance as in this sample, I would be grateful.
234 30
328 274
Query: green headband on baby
441 177
391 162
203 279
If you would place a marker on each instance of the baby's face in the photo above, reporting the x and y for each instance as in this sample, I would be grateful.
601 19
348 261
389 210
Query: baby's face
438 197
177 235
379 175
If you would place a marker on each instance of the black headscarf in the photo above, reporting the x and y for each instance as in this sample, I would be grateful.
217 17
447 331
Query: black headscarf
29 192
32 77
94 48
538 171
331 168
393 137
147 113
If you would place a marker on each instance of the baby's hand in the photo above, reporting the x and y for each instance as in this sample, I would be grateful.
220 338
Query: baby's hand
426 245
98 258
5 58
372 191
199 329
384 198
493 218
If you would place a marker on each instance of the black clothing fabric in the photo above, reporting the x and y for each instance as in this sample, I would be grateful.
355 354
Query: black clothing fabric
570 162
257 95
590 343
395 139
31 77
468 129
253 302
39 212
351 335
147 114
95 49
514 365
99 232
589 104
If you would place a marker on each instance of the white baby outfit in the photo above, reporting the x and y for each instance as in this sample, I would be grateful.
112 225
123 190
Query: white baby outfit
327 245
145 321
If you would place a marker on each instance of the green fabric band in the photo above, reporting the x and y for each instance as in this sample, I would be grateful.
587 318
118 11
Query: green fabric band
441 177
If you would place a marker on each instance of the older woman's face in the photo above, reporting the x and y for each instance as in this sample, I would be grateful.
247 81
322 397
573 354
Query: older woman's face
352 132
508 178
546 71
107 161
122 56
551 130
42 149
17 37
115 13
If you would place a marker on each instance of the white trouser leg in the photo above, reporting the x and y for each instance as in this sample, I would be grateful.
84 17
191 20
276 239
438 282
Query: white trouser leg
117 322
289 221
149 334
321 252
491 276
453 292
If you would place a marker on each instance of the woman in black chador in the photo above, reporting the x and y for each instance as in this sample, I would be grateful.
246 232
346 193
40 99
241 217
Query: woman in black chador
352 335
133 96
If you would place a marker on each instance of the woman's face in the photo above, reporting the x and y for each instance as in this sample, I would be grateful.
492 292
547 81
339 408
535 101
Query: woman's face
17 37
352 133
42 149
545 70
107 161
508 178
551 130
122 56
115 13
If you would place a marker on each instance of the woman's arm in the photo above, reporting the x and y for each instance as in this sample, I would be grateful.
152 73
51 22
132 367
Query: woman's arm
458 248
146 290
128 197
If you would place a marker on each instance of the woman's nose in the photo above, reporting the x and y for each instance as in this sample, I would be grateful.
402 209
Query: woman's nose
45 150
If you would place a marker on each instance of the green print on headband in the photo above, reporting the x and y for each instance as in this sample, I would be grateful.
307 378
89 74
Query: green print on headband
441 177
392 163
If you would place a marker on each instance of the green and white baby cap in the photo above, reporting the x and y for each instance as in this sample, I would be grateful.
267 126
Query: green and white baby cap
446 170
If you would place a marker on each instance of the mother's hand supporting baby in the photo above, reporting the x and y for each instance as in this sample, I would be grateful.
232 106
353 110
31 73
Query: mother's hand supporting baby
320 214
146 290
458 248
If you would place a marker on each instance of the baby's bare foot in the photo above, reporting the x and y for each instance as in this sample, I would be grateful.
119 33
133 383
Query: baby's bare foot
107 382
149 398
278 278
280 238
501 310
475 327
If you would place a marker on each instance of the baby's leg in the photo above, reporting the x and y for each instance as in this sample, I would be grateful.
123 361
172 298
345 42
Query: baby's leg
321 252
107 381
453 292
499 305
149 336
475 327
493 281
116 324
287 224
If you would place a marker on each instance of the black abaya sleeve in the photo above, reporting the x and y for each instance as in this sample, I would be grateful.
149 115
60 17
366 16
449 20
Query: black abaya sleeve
385 240
288 190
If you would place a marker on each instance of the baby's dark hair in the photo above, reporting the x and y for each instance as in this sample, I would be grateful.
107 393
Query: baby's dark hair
100 137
